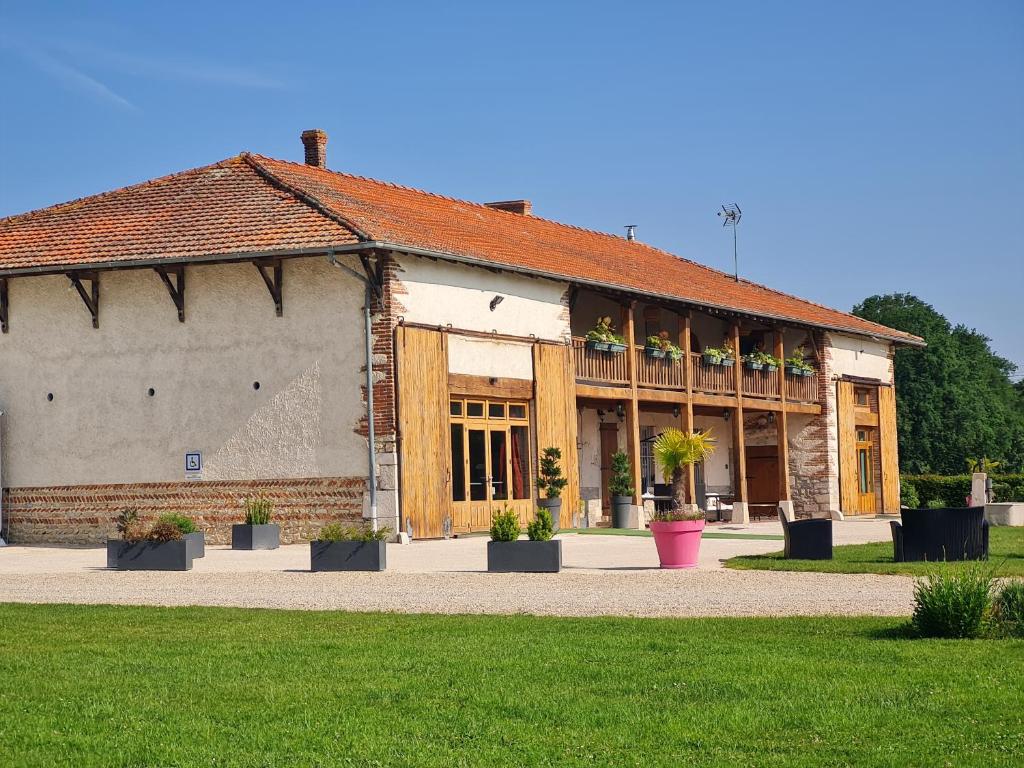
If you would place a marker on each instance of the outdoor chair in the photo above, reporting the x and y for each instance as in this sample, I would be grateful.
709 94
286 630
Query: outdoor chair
940 534
806 539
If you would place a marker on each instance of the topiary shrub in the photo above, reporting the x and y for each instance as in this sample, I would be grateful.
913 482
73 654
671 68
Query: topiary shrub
162 531
185 524
550 479
541 528
505 525
621 481
1008 609
953 604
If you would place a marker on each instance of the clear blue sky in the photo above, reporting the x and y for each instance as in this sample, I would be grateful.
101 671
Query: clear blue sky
874 147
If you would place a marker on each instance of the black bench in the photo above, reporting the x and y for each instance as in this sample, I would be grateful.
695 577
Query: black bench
939 535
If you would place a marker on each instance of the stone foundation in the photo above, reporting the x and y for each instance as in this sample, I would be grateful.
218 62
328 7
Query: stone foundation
87 514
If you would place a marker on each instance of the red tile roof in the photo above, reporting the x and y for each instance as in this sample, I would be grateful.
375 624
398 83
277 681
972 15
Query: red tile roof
251 204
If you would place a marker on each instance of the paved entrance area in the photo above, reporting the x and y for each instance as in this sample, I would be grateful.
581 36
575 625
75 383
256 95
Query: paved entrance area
603 575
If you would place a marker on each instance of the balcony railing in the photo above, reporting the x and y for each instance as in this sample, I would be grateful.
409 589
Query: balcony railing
611 368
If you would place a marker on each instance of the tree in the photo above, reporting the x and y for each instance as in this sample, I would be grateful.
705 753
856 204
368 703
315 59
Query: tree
674 450
955 399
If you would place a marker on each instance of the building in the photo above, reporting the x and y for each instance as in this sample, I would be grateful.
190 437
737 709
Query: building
186 342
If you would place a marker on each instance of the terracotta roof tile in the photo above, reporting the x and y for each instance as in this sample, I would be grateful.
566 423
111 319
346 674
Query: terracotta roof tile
251 203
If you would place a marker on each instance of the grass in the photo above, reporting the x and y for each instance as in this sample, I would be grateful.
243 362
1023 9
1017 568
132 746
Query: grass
122 686
1006 555
636 532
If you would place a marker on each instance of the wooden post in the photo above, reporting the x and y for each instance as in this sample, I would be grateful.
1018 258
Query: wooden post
740 460
687 410
780 423
633 406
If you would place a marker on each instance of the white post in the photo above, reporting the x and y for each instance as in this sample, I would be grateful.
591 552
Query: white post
978 495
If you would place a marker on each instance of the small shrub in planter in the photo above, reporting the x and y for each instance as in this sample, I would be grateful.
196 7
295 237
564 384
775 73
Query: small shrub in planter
620 487
257 532
162 548
551 482
195 538
723 355
539 554
660 347
953 604
758 361
349 548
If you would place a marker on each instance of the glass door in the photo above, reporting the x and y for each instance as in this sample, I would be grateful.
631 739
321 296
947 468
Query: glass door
865 472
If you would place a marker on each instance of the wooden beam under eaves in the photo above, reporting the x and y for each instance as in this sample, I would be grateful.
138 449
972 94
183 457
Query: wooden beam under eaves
90 297
176 288
273 279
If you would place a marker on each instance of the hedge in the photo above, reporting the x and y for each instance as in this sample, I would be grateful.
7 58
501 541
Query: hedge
953 490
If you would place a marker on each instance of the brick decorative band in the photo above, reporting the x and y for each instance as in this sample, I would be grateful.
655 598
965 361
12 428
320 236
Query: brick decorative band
86 514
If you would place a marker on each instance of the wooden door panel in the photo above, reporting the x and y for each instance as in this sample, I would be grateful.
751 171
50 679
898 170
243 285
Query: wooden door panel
425 445
847 427
555 403
888 445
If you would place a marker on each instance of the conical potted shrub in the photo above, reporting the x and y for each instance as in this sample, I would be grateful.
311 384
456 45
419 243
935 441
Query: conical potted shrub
551 483
620 487
677 531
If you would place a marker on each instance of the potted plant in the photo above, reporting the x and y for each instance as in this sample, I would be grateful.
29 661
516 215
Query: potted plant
795 365
194 538
539 554
551 482
161 548
620 487
600 336
660 347
349 548
257 532
723 355
677 531
752 361
770 362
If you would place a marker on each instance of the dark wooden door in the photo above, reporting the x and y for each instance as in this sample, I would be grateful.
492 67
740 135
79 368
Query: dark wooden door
763 475
609 445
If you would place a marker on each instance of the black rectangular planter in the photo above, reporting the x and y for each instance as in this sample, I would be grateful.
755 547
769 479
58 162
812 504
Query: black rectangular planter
524 556
196 544
150 555
255 536
347 555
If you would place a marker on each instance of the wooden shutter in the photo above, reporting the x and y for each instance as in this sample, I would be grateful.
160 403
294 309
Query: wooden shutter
555 401
425 446
848 490
889 449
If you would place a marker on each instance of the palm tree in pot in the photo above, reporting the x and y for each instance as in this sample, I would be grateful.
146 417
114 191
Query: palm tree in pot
620 486
677 531
551 482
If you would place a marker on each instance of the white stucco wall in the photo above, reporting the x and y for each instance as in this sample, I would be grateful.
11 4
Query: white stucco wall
483 357
102 427
439 293
854 356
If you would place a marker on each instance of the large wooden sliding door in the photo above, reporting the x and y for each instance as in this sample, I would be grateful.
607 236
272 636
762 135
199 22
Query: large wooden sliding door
555 399
888 446
849 495
423 423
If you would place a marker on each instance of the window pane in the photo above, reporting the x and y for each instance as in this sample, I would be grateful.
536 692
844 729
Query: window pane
499 465
520 462
477 465
475 410
517 411
455 408
496 410
864 467
458 464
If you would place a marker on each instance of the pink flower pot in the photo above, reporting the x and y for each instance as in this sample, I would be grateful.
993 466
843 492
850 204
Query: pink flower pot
678 543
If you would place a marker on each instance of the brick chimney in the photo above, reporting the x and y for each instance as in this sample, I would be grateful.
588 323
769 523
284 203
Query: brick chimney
522 207
315 142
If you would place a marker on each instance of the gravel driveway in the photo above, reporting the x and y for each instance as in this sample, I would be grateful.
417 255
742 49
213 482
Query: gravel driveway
603 575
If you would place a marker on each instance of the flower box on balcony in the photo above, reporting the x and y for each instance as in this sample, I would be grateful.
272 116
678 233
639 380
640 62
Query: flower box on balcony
655 352
753 366
795 370
710 359
616 349
598 346
771 368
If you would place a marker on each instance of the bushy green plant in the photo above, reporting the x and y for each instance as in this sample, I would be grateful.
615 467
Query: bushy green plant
1008 609
954 489
541 528
908 495
621 481
726 352
936 504
953 604
128 524
674 450
663 342
164 531
603 330
351 532
258 510
505 525
185 524
550 479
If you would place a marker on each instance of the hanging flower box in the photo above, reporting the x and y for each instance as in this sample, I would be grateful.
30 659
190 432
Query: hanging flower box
710 359
616 348
655 352
597 346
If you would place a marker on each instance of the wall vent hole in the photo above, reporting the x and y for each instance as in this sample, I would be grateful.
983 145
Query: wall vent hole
255 385
49 397
150 391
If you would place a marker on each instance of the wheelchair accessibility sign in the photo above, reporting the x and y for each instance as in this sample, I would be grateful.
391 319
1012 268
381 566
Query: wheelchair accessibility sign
193 465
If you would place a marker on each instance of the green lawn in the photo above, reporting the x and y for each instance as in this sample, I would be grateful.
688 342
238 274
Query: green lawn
1006 555
636 532
115 686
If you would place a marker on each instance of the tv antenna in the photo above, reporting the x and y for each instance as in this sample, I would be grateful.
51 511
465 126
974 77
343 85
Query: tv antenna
731 215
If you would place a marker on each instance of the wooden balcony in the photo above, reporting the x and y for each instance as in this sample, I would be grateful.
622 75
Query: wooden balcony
612 369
